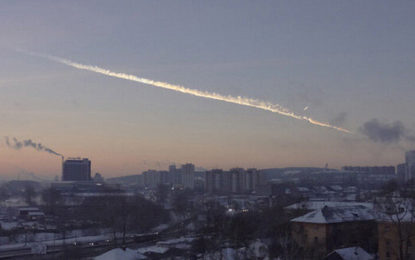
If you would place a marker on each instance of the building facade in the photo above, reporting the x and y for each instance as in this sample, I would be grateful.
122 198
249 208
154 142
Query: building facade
321 231
76 169
390 245
188 175
410 165
236 181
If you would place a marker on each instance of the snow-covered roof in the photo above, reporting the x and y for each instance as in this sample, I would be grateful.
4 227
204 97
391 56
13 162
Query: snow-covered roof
313 205
336 187
36 213
352 253
153 249
174 241
29 209
118 253
351 189
327 215
8 225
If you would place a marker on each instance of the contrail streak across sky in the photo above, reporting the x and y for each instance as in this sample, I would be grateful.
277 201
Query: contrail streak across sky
244 101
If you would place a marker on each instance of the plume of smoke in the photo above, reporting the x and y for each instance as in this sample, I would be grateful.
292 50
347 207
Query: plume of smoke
16 144
244 101
386 132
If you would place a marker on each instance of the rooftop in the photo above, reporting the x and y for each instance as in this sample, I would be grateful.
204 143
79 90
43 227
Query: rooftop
352 253
313 205
340 214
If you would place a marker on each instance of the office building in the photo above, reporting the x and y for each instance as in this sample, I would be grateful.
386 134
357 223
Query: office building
76 169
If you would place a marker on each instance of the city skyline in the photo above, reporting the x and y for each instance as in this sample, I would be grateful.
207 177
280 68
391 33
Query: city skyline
348 64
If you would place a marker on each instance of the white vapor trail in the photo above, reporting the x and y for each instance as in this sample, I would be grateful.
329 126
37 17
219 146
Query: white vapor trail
275 108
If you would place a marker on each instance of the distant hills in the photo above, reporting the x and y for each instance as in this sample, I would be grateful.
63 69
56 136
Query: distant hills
278 172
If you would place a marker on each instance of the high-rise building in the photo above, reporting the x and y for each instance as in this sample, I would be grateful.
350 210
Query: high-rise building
238 180
152 178
214 182
410 165
401 172
164 177
76 169
175 175
188 175
251 179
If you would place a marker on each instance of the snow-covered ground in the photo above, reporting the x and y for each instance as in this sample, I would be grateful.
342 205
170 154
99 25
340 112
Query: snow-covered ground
153 249
8 225
160 228
45 236
256 250
58 242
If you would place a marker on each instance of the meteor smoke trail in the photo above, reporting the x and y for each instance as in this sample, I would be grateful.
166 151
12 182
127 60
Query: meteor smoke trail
275 108
17 145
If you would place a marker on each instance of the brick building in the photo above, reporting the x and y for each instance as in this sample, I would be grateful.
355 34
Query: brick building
323 230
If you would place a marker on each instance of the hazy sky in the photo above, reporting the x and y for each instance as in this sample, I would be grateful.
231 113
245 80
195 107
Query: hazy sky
349 62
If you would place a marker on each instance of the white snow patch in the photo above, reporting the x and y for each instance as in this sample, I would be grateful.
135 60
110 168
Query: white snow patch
153 249
118 253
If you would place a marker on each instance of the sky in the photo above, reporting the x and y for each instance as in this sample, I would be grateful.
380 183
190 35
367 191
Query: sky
349 63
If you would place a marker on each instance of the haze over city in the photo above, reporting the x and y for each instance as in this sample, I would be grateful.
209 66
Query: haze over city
345 63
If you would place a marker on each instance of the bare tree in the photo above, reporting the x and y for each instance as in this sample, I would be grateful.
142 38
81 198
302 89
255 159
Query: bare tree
52 198
398 212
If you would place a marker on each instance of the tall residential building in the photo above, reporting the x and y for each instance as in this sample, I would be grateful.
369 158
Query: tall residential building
175 175
76 169
251 179
410 165
188 175
214 181
238 180
152 178
401 172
